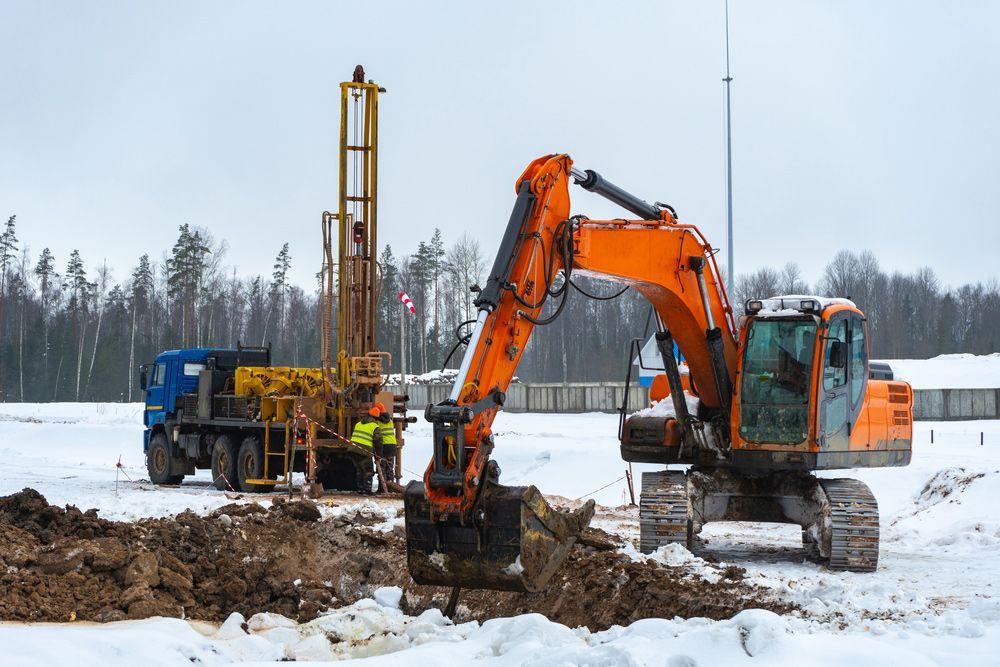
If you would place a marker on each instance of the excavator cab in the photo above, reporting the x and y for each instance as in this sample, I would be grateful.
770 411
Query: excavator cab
804 395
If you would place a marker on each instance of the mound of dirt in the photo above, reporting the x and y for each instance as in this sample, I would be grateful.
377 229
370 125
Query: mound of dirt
61 564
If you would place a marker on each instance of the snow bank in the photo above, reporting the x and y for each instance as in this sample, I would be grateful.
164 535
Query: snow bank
379 634
949 371
437 376
73 413
665 407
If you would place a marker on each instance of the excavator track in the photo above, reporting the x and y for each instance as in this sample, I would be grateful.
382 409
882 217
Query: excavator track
663 510
854 528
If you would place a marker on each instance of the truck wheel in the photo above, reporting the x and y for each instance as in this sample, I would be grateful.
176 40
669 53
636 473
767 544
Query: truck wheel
224 456
158 461
250 464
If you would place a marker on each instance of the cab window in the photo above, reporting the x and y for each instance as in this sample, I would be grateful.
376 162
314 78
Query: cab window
777 370
193 369
834 377
160 375
857 359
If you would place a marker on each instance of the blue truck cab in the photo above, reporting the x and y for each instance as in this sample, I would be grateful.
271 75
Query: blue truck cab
174 372
179 387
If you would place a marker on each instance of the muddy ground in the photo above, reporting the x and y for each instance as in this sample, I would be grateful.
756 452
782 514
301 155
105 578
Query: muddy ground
61 564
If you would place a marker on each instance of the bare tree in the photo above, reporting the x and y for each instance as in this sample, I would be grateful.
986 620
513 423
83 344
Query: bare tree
840 277
465 265
100 296
790 281
761 284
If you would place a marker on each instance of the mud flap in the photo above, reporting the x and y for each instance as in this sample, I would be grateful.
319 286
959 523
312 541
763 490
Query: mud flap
516 542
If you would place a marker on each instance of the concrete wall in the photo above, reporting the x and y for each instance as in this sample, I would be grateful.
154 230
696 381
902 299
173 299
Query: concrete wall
949 404
928 404
576 397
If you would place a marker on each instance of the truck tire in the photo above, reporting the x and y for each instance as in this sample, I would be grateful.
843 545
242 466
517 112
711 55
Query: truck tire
250 465
225 453
158 461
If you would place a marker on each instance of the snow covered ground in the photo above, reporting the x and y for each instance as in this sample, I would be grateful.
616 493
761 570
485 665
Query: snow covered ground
934 600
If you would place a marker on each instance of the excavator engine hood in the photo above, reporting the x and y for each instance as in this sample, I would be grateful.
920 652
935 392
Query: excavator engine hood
516 543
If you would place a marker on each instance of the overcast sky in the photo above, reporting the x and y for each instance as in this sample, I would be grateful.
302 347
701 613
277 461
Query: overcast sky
856 124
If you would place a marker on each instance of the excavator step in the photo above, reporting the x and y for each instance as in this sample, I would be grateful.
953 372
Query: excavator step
853 524
663 510
262 482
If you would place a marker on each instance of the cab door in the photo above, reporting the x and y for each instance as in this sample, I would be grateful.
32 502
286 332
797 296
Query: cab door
857 367
834 391
155 393
170 387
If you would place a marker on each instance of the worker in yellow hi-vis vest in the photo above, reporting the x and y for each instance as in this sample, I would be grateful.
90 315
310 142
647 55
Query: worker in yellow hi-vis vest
387 451
367 434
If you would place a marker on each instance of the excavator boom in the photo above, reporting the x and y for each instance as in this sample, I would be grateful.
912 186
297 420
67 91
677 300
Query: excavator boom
464 528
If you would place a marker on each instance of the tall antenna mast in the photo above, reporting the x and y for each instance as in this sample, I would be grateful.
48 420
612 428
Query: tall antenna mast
731 272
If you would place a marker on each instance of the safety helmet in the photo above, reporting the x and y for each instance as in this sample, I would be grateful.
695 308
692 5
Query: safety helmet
381 408
374 411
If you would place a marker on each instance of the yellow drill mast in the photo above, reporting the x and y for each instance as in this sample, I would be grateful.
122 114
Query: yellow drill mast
359 366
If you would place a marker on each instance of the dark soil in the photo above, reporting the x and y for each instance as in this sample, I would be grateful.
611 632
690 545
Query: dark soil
61 564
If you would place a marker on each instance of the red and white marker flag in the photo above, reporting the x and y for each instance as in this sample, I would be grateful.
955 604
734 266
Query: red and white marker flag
406 302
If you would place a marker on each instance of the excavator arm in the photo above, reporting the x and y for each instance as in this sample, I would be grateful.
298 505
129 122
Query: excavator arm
464 528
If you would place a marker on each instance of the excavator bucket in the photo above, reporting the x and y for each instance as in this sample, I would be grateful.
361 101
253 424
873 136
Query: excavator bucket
517 541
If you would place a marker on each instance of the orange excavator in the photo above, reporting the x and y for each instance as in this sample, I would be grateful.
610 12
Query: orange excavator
765 404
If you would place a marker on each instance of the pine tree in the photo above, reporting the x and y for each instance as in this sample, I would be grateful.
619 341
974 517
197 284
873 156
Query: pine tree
48 280
80 290
279 289
142 291
437 266
185 270
256 316
422 276
387 310
8 251
947 323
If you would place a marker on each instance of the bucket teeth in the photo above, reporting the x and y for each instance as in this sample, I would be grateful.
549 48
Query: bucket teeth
517 543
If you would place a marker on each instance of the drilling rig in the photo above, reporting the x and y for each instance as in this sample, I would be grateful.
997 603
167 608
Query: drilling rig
356 375
254 424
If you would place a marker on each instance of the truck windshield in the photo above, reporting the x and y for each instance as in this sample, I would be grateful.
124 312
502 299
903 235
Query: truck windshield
777 369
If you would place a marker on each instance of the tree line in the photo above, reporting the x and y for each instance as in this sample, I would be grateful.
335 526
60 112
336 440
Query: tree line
910 315
77 332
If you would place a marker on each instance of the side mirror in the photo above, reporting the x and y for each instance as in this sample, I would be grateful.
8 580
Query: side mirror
144 376
838 354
